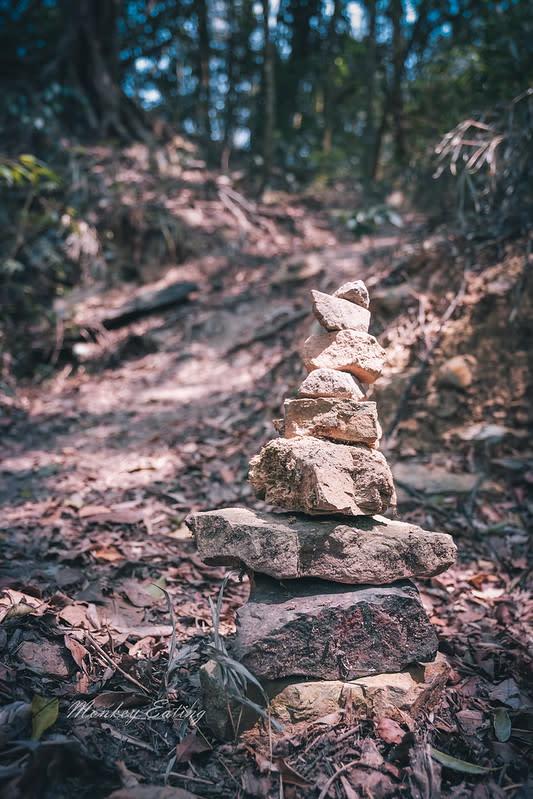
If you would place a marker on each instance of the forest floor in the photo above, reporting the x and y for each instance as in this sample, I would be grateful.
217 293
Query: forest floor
142 424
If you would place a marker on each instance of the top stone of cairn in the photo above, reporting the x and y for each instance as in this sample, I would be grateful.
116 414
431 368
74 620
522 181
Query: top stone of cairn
356 292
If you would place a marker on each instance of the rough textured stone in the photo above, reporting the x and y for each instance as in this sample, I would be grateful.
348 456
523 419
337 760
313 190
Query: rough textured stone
334 313
347 350
457 372
413 691
356 292
286 546
337 419
317 476
330 383
222 712
320 629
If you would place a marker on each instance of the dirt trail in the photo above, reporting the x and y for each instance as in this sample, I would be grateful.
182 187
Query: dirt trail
101 465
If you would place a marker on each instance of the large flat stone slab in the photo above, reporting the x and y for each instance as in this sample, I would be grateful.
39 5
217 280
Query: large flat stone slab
414 691
334 313
319 629
338 419
330 383
286 546
317 476
347 350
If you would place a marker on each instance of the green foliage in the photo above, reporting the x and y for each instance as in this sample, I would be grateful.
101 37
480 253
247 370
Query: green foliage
27 170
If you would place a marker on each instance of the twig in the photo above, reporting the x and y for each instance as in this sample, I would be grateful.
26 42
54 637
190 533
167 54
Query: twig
421 499
425 360
329 783
261 335
111 662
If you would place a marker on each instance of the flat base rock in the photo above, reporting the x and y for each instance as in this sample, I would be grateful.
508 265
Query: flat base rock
319 629
317 476
366 549
348 350
414 691
337 419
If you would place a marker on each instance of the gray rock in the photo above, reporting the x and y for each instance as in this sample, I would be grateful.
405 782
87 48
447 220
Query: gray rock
330 383
355 292
285 546
317 476
337 419
333 313
347 350
318 629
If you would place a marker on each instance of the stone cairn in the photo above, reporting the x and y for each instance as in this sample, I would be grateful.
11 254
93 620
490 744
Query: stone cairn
332 616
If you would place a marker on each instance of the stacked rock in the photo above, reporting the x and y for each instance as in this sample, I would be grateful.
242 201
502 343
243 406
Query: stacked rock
331 597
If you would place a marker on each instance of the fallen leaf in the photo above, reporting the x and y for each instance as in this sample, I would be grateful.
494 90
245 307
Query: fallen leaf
389 731
44 712
92 510
152 792
289 774
190 746
76 649
121 699
458 765
110 554
502 725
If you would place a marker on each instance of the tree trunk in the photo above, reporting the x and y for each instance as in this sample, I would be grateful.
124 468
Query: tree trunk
396 89
204 58
328 87
371 145
88 60
231 99
268 93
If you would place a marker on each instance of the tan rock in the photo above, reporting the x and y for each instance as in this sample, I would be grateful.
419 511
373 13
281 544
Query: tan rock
317 476
337 419
457 372
330 383
414 691
372 550
355 292
347 350
334 313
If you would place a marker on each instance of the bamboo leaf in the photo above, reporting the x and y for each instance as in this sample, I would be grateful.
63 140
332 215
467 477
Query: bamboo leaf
458 765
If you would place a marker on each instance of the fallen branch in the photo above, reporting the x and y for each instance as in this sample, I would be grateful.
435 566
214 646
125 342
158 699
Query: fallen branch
269 331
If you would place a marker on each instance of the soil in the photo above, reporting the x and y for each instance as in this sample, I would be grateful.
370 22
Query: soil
138 426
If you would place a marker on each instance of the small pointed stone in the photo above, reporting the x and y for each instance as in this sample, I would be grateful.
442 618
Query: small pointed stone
320 629
317 476
337 419
330 383
347 350
334 313
355 292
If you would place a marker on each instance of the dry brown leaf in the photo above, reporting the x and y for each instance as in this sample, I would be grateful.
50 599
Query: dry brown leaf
389 731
